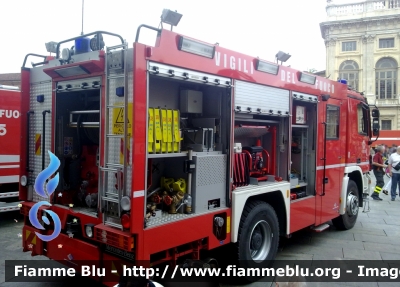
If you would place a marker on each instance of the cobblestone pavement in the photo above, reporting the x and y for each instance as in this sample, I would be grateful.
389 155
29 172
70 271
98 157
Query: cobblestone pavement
375 237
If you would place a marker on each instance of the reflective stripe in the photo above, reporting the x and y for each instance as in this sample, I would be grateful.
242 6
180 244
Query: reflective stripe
9 158
9 178
331 166
139 193
341 165
9 166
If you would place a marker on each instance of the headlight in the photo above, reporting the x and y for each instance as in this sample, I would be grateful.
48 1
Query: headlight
89 230
126 203
24 180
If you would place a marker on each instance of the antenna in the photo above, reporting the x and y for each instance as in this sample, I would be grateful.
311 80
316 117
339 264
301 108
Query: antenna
83 1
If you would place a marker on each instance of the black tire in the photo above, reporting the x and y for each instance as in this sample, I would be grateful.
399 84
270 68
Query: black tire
349 219
258 236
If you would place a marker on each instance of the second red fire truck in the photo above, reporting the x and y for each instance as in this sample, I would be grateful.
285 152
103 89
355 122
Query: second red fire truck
185 146
10 137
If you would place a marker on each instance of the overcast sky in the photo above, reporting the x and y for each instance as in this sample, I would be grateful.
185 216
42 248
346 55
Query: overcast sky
254 27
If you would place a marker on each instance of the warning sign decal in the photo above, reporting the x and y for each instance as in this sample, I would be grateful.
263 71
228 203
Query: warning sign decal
118 120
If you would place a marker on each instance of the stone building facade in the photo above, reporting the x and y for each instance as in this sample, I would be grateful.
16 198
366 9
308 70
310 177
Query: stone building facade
363 46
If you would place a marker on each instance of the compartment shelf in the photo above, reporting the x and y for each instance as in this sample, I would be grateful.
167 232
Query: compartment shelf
300 184
160 155
180 154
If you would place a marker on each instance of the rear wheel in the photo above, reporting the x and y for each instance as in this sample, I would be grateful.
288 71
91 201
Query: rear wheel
349 218
258 237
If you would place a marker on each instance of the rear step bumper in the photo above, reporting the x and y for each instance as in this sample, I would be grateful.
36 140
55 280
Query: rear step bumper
9 206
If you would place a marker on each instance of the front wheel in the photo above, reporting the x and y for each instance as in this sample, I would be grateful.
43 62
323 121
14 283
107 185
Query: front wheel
258 237
348 219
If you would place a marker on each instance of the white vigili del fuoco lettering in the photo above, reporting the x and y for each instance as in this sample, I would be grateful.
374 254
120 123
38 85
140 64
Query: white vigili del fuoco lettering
239 64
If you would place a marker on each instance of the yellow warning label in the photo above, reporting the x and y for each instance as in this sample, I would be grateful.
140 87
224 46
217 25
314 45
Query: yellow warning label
164 130
151 130
118 120
169 130
38 140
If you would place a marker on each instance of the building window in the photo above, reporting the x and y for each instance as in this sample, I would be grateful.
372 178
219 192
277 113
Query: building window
349 46
332 122
386 78
362 117
386 125
349 70
386 43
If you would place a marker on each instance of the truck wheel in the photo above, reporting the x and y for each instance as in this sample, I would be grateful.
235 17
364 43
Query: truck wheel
258 236
348 220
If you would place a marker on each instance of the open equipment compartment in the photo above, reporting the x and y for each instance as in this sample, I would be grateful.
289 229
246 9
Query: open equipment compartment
188 139
77 138
303 146
261 135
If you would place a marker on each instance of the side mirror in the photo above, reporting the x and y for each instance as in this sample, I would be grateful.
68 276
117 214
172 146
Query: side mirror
375 126
375 113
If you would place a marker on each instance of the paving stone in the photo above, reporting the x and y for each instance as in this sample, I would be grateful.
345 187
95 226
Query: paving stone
372 220
344 235
294 256
388 284
390 256
325 257
366 230
365 255
380 226
334 252
392 221
392 232
375 238
333 242
381 247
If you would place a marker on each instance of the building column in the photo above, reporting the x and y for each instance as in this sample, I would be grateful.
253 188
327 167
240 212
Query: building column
369 67
330 44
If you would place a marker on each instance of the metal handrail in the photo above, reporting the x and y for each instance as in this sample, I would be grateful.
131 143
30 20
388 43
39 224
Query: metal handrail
145 26
98 33
36 55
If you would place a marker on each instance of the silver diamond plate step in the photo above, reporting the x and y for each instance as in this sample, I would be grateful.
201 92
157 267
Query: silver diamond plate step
167 218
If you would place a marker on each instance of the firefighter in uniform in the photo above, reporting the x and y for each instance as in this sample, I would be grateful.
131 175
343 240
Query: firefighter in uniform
378 167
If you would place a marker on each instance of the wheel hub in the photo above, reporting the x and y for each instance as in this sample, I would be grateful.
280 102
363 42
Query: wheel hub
256 240
260 241
352 205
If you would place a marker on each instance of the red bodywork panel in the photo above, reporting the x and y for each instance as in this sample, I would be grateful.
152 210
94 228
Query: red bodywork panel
302 213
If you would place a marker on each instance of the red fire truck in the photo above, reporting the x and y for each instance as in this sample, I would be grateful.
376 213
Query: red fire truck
185 146
10 98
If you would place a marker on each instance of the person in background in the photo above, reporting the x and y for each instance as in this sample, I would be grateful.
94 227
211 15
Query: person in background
394 159
378 168
393 149
388 185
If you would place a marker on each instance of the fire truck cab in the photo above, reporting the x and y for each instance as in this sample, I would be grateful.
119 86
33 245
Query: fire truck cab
10 98
185 146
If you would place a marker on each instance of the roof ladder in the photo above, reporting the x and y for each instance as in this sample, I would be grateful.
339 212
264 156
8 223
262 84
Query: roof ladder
114 168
